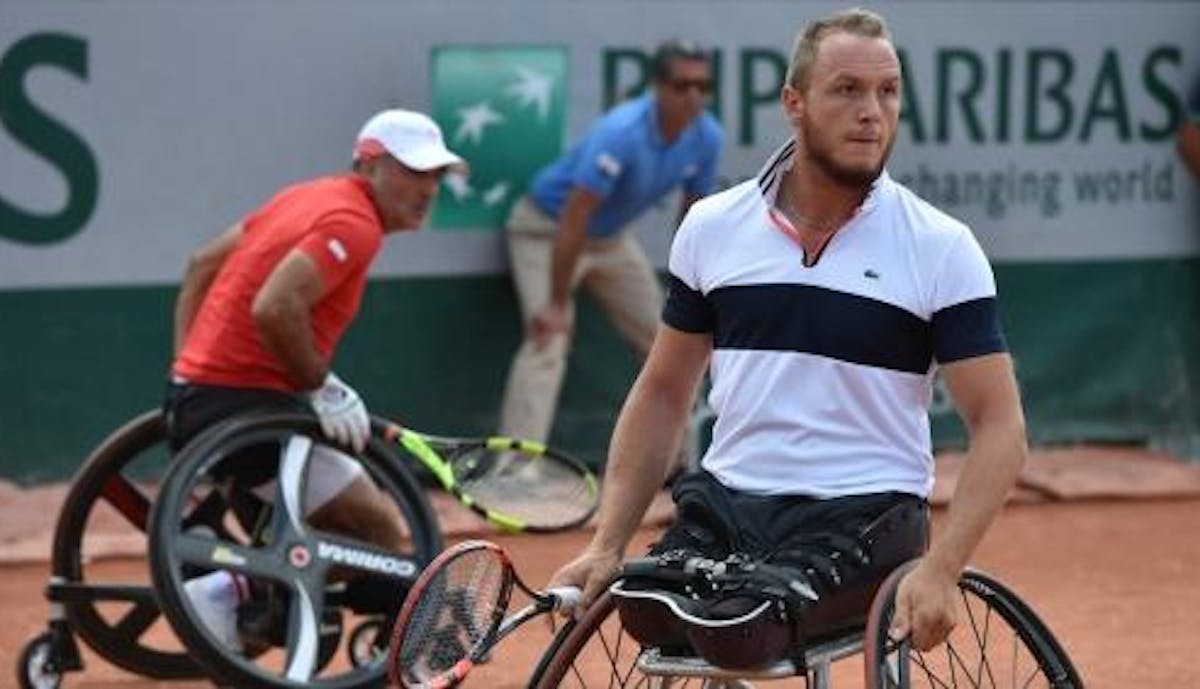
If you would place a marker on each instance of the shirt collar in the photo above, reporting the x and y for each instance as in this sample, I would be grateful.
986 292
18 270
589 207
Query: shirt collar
656 135
780 162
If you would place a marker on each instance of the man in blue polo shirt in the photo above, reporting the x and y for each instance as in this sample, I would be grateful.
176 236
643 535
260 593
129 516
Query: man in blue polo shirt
569 229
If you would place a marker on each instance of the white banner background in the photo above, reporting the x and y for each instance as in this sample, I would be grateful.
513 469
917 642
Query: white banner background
198 111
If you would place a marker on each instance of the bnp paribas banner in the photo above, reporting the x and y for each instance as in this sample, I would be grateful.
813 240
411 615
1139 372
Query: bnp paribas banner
132 130
507 111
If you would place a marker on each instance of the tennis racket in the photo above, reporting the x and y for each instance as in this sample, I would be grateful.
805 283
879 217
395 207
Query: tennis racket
518 485
454 615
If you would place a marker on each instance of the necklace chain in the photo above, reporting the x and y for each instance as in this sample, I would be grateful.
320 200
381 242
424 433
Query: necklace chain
799 219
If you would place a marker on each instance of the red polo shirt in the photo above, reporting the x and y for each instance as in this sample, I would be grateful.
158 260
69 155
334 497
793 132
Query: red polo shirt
333 220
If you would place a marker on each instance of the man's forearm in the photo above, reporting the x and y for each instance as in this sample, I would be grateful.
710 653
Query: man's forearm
994 460
568 244
642 444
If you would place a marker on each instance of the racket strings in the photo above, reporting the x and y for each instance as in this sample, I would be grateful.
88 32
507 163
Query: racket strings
453 615
535 489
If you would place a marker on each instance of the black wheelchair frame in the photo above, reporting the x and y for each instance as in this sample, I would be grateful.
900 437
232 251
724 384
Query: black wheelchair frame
595 650
104 478
111 475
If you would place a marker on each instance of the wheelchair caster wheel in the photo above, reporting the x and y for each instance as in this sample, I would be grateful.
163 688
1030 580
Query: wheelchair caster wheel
37 667
365 640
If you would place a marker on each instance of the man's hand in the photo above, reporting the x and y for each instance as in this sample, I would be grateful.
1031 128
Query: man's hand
925 609
553 320
342 413
591 572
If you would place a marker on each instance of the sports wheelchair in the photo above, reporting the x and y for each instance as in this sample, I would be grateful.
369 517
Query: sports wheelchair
999 642
315 591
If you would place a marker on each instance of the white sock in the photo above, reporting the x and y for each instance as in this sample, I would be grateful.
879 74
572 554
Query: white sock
222 587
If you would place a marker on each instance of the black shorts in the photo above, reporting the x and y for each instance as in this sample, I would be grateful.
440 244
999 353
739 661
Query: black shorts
803 533
190 409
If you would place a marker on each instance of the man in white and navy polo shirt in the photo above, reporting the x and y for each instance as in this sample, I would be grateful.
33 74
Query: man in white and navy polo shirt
826 295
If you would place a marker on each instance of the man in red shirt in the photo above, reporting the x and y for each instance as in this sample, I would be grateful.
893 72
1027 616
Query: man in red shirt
262 308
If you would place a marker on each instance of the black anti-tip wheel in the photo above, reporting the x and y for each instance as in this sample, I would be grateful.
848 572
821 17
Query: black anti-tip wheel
35 666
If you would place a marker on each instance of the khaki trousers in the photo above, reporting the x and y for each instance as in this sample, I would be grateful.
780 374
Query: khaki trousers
614 271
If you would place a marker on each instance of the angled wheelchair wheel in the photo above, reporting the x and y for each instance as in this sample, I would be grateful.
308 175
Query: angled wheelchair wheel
301 575
110 605
999 642
593 651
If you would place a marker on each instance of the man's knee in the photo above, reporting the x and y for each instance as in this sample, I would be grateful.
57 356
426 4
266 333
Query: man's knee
364 511
330 472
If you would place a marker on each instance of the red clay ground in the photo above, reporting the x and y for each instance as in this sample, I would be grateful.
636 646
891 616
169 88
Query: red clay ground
1118 582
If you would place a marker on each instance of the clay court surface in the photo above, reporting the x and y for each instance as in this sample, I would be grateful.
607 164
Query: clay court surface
1117 581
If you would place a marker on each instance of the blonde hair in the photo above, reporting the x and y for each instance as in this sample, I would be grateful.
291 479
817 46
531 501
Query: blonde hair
855 21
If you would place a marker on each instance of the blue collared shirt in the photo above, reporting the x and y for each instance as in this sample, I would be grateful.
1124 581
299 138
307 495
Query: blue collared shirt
624 160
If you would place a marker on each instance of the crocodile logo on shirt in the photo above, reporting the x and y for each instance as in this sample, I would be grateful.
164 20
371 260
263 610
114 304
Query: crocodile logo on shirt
503 109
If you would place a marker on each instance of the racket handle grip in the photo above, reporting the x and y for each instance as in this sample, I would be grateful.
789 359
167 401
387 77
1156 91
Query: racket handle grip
565 597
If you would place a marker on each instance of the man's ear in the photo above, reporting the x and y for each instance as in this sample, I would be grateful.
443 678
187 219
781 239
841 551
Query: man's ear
793 104
367 166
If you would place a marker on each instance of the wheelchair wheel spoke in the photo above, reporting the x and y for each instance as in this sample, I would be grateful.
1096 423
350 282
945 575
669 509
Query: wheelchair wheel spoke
613 654
985 665
289 504
919 660
1033 674
127 499
303 639
955 660
208 512
139 618
981 641
211 553
632 665
579 676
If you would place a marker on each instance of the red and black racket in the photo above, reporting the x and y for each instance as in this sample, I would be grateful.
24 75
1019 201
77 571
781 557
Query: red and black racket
455 614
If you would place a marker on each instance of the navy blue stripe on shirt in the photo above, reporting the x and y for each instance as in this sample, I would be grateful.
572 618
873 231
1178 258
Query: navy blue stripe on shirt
971 328
825 322
686 309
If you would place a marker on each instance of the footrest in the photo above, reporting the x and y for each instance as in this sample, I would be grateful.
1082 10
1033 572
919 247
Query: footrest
652 662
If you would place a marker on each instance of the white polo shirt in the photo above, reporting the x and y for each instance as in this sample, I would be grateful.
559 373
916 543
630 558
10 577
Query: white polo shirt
822 375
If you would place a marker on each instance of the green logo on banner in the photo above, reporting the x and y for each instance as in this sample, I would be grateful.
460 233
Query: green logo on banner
504 110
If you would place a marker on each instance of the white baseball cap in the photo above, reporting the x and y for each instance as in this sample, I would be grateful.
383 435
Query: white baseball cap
410 137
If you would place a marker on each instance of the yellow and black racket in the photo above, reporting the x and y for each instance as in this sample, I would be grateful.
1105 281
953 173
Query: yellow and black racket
518 485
